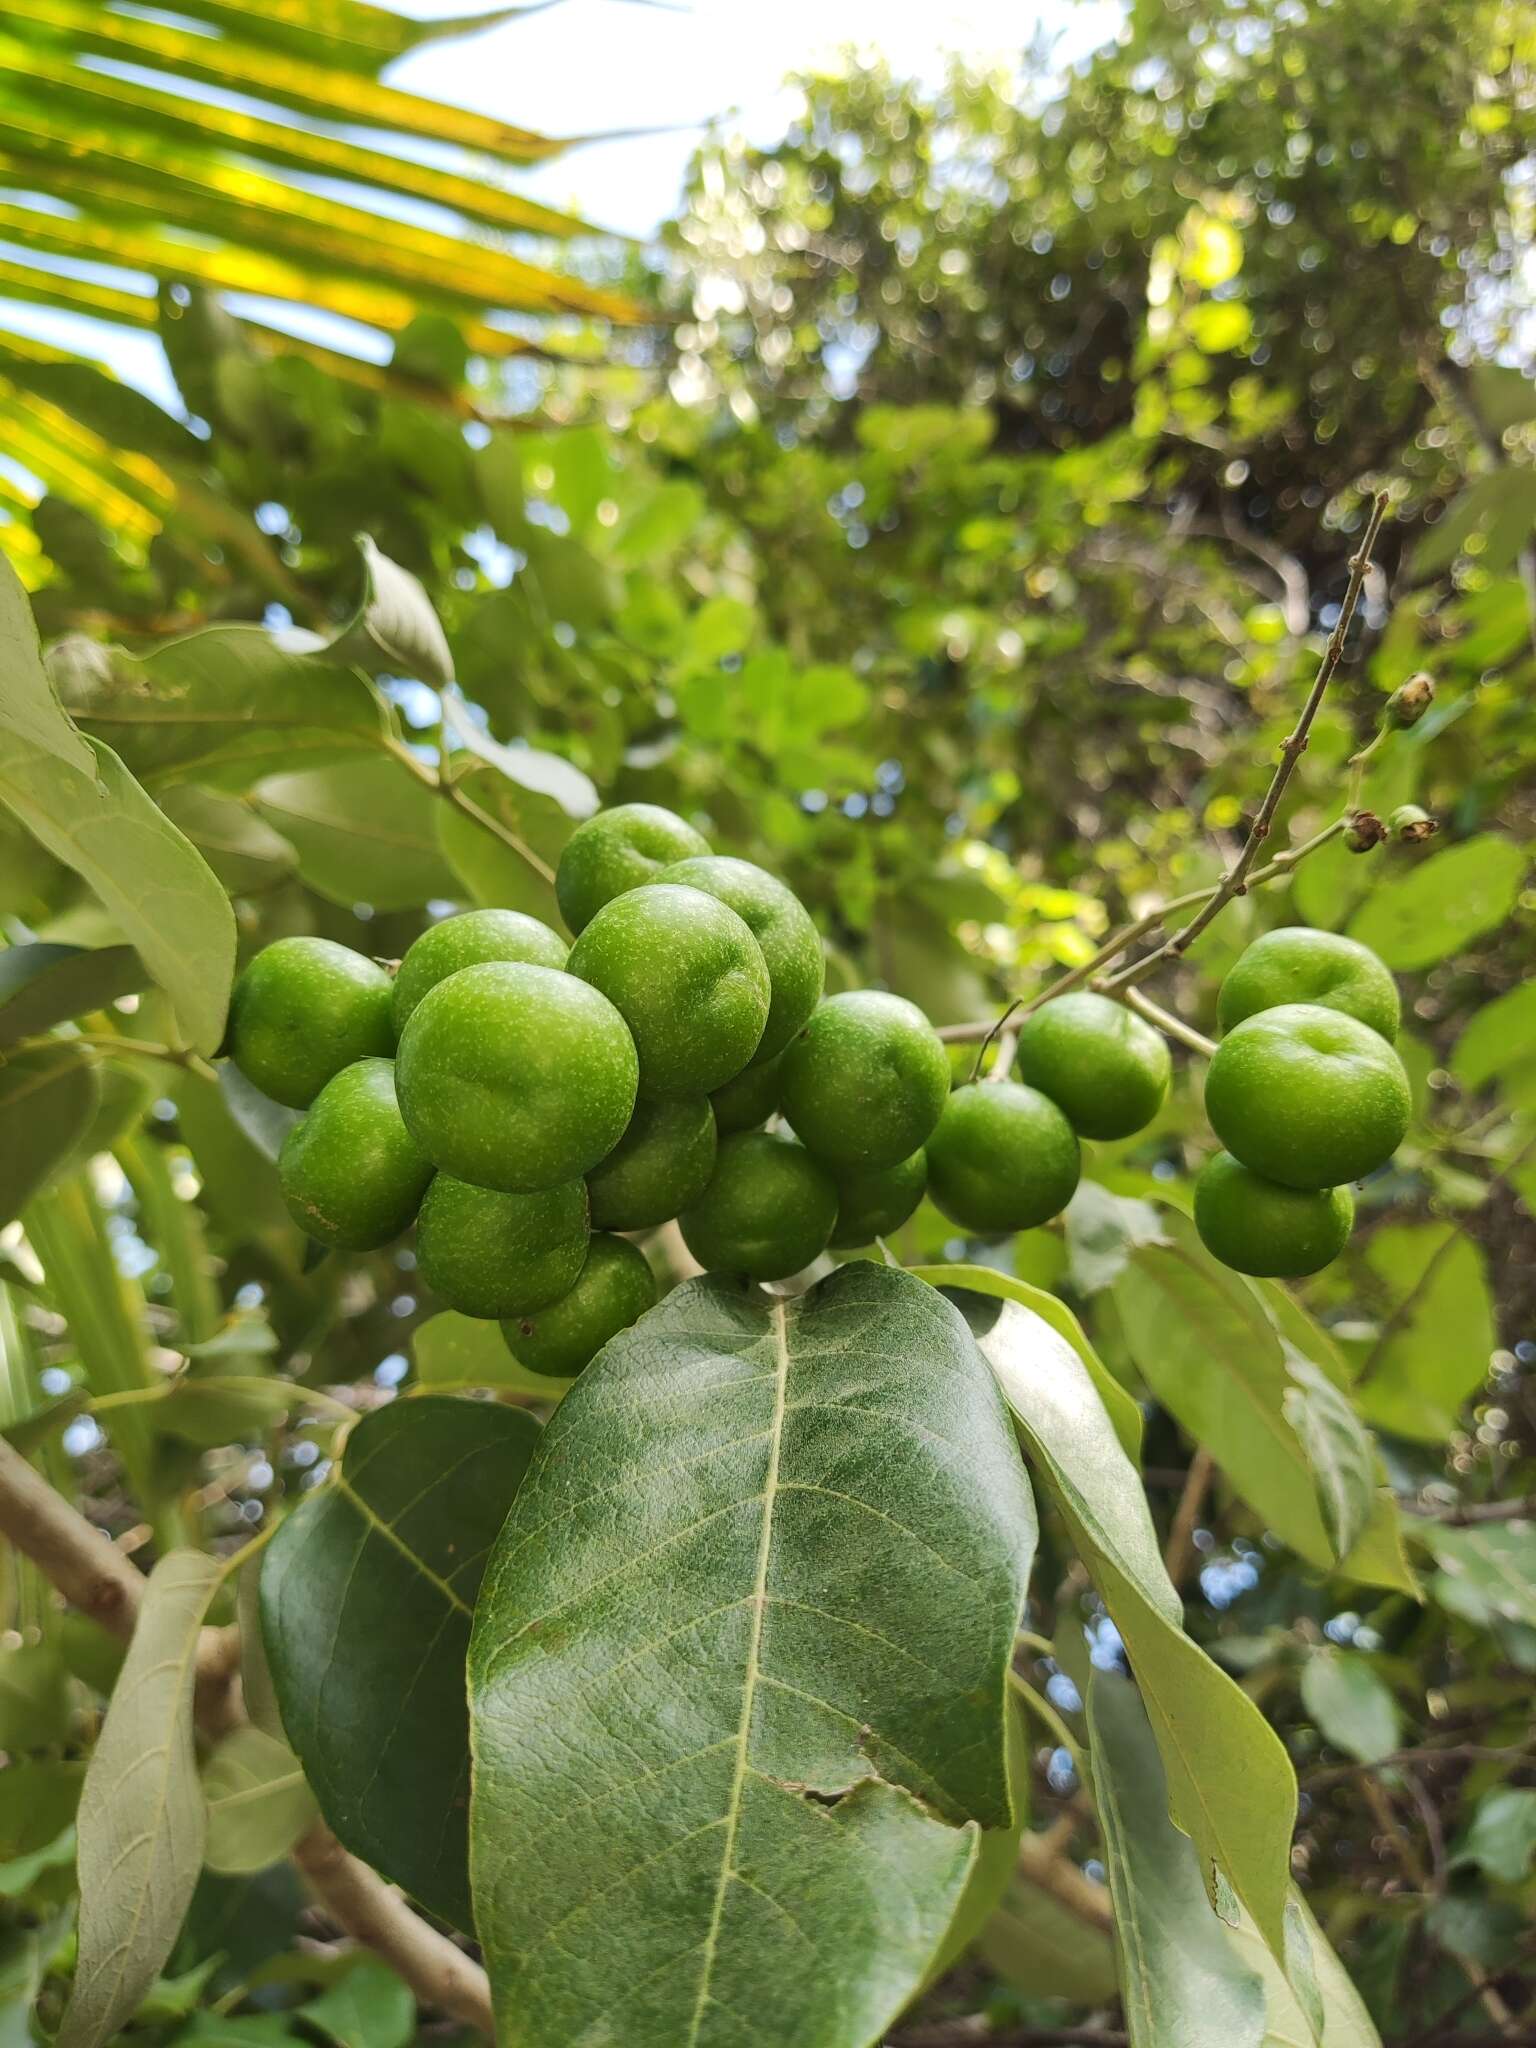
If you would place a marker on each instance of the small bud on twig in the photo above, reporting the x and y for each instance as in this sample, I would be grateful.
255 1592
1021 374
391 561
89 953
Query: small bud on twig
1364 831
1409 702
1411 826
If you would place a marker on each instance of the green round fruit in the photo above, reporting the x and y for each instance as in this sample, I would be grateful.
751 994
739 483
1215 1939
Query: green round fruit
767 1212
1299 965
1097 1061
1256 1226
619 850
1004 1158
747 1102
1307 1096
515 1077
352 1174
688 979
614 1289
782 927
492 1254
660 1165
871 1205
469 940
303 1010
864 1082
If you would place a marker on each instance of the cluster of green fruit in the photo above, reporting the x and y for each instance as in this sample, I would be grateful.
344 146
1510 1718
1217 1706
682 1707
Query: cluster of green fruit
1306 1093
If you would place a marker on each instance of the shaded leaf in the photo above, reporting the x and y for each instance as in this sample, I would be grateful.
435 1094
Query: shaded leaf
141 1822
365 832
1353 1709
1485 1574
777 1671
1043 1949
1337 1447
48 1099
1342 2019
1436 1337
1432 911
394 631
458 1352
258 1802
1499 1041
1103 1229
516 875
542 774
367 2008
264 1122
43 985
1122 1410
366 1594
29 710
1502 1837
1179 1978
1231 1787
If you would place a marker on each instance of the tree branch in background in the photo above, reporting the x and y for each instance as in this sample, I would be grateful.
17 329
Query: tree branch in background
96 1578
1236 880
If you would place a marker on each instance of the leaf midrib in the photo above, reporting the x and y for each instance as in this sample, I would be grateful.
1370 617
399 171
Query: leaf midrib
387 1530
759 1599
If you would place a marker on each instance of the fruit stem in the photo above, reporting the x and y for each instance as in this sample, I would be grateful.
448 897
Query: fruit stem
444 784
1164 1020
1235 881
109 1041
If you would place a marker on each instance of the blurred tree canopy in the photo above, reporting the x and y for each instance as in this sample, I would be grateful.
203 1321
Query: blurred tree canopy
958 538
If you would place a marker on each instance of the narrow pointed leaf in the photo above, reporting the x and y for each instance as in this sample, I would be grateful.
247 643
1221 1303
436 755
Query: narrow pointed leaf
1230 1783
141 1822
742 1649
394 631
349 32
1180 1979
366 1593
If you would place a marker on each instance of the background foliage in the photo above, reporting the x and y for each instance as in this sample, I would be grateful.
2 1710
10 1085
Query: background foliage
957 539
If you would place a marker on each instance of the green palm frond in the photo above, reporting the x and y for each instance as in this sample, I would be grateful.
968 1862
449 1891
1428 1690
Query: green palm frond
184 148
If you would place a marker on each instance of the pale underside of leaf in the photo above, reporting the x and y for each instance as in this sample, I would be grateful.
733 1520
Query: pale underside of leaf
741 1648
142 1820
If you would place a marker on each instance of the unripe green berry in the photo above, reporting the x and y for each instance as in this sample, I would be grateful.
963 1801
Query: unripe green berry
492 1254
864 1082
515 1077
747 1102
871 1205
1003 1158
768 1210
614 1289
304 1009
1257 1226
782 927
1105 1067
352 1174
619 849
687 977
469 940
661 1164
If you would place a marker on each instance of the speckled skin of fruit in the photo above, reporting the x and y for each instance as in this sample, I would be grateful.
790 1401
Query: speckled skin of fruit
661 1164
1307 1096
1097 1061
864 1082
1004 1158
747 1102
767 1212
871 1205
515 1077
304 1009
1299 965
469 940
352 1174
620 849
492 1254
782 927
614 1288
687 977
1256 1226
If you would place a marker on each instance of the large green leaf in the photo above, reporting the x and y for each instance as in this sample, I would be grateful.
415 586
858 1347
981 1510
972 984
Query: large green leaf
44 985
48 1099
1424 916
228 704
1231 1787
1209 1347
1179 1977
1339 2012
365 832
1353 1708
742 1650
366 1594
504 844
141 1822
29 709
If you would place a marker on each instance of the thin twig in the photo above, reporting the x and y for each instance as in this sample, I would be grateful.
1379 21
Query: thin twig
1181 1546
1463 1514
1235 881
97 1579
1167 1023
